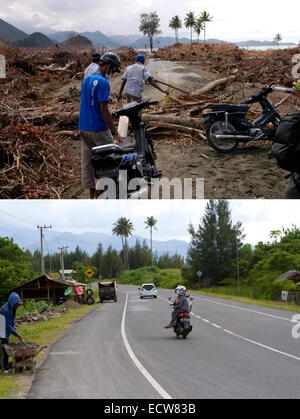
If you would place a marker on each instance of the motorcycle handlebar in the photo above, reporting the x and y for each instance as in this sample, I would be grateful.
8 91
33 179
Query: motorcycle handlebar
136 107
283 89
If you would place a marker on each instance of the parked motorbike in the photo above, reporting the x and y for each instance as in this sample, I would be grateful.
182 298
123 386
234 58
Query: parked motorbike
227 126
135 159
183 327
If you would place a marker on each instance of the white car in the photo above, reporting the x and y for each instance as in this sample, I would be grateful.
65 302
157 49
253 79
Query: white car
148 290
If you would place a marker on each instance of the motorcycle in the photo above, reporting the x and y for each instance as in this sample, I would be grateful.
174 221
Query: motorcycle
227 126
183 327
133 161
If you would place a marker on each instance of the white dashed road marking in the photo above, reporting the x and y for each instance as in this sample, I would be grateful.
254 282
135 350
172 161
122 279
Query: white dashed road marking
244 338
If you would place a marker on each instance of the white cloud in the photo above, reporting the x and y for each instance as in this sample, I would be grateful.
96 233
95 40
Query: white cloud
232 20
259 218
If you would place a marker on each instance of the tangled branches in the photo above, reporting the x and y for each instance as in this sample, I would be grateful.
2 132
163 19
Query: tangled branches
33 164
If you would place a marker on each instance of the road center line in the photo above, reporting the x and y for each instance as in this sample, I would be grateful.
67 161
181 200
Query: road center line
137 363
242 308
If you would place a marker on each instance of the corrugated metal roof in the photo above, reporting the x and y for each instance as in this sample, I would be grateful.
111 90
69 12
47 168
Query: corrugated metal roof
65 282
288 275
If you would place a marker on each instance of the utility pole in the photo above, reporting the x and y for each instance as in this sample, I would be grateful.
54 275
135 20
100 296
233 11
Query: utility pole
42 248
62 260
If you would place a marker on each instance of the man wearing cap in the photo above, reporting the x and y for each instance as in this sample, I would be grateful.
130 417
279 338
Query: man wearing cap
133 81
94 66
96 123
8 327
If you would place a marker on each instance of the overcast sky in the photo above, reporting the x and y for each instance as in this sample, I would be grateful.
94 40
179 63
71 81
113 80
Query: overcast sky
259 218
233 20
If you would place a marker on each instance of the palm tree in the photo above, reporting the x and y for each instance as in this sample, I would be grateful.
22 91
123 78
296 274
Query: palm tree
189 22
123 228
278 38
205 17
199 26
175 23
151 223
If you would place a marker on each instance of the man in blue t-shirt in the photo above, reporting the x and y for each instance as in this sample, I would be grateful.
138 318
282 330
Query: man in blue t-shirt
95 122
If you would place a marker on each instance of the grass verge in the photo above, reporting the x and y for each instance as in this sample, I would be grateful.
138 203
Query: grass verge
271 304
44 333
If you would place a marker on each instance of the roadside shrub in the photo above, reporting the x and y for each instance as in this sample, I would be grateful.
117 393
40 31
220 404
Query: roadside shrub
163 278
31 306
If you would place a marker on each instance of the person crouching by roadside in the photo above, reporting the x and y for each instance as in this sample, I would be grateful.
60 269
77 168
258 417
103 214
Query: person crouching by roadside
94 66
133 81
8 327
95 121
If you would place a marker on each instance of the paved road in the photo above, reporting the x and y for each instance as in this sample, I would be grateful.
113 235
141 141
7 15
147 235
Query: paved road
184 77
122 351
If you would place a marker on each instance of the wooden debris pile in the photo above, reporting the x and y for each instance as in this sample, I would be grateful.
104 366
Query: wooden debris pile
41 87
254 66
34 163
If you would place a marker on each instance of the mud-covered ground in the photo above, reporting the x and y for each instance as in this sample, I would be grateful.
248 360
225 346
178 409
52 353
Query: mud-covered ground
42 92
247 173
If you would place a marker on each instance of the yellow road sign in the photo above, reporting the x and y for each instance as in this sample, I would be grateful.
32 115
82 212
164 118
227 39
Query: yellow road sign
90 273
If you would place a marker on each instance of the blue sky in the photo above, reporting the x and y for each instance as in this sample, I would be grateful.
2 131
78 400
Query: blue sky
233 20
259 218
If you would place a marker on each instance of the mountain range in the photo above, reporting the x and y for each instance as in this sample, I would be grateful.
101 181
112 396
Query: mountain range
12 35
29 239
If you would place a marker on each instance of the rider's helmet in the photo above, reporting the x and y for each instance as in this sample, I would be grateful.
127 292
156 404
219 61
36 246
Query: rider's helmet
181 291
178 289
113 59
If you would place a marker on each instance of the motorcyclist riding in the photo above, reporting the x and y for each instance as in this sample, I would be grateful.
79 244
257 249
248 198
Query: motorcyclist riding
181 305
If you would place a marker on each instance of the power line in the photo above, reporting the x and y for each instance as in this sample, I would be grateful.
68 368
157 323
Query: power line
14 216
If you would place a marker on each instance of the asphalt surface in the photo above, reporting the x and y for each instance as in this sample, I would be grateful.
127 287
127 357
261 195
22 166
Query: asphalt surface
175 74
235 351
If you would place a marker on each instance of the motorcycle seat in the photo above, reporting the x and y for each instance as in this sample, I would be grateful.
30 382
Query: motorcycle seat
122 148
225 107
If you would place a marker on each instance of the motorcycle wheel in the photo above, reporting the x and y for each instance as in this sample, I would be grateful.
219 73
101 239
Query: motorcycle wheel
222 146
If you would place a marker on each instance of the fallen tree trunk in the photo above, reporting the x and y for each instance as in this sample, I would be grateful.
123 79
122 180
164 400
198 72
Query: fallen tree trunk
74 134
212 85
191 131
172 87
177 120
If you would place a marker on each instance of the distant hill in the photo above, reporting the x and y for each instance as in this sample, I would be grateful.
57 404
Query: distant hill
35 40
161 42
62 36
30 239
78 42
9 33
125 40
100 40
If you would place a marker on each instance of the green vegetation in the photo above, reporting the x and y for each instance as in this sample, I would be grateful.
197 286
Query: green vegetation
31 306
230 294
123 228
163 278
149 25
43 333
232 268
176 24
15 267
